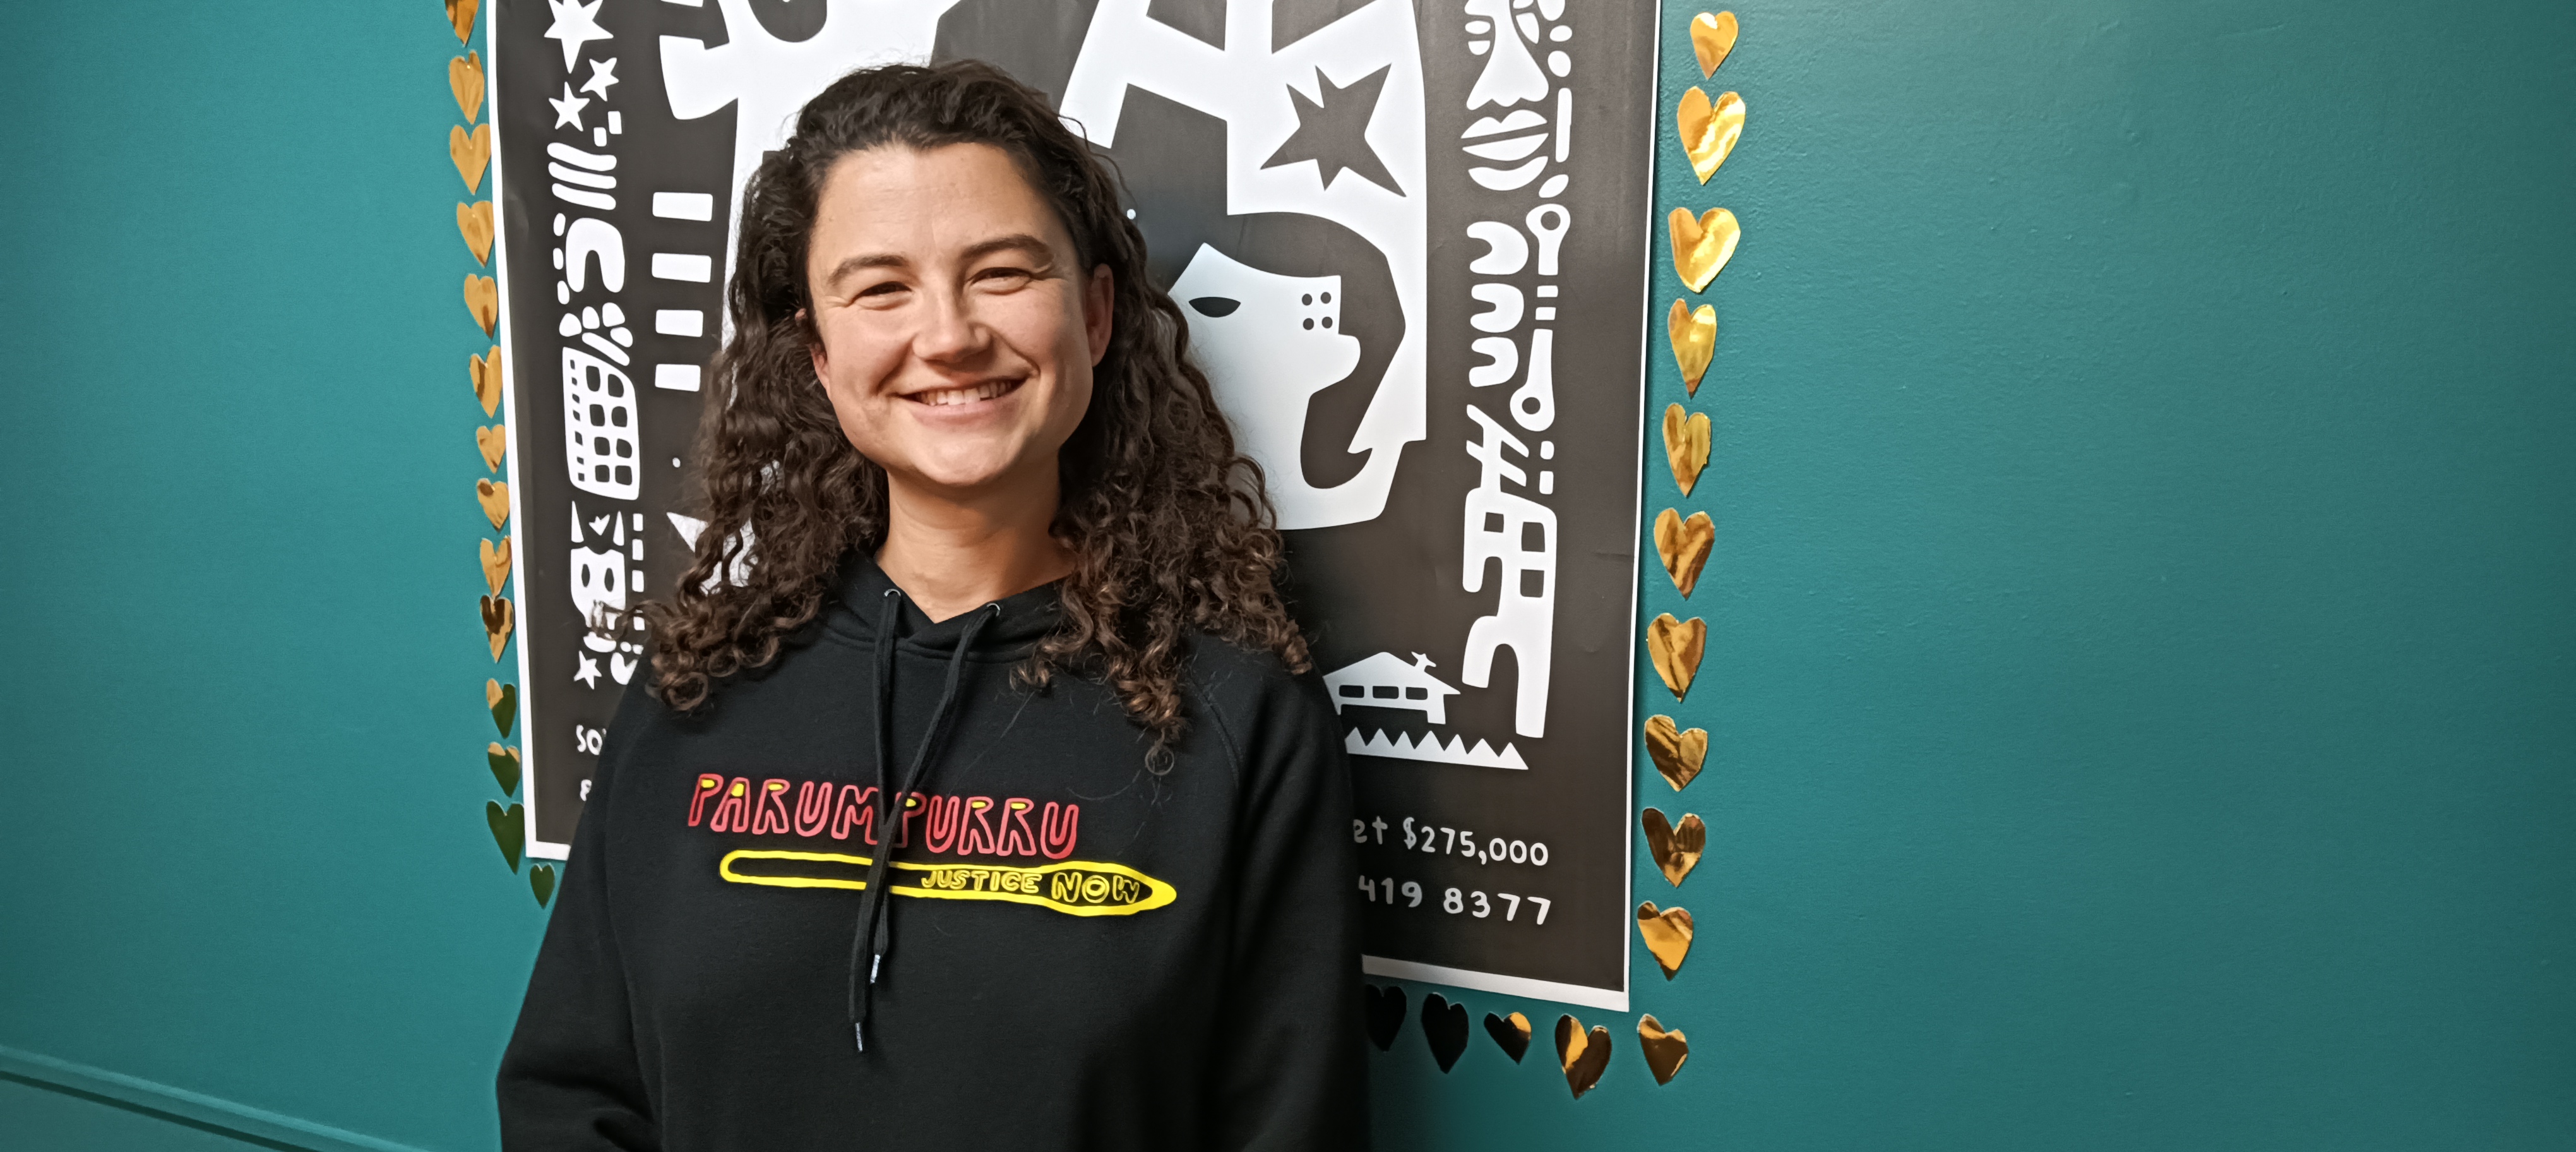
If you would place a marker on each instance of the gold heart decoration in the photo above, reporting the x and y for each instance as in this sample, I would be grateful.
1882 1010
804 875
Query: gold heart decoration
1712 37
1511 1034
460 16
486 373
1709 132
496 564
1665 1049
1668 935
493 443
1675 647
497 622
1684 545
471 151
1685 445
483 299
474 222
1678 755
495 499
465 78
1702 245
1582 1055
1676 849
1694 338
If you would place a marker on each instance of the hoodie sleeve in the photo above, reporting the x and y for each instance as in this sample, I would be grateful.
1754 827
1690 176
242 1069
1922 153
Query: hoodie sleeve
570 1081
1293 1074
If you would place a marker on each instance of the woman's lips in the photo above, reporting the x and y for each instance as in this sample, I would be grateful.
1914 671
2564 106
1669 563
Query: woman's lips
949 397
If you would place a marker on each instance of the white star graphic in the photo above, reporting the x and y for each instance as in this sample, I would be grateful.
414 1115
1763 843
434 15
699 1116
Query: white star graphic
589 674
601 76
575 24
568 109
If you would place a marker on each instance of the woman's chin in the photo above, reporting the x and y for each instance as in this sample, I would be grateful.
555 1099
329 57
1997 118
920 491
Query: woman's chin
967 469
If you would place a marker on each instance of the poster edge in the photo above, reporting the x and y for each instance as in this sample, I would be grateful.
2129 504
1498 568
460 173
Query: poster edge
537 847
1637 511
1552 991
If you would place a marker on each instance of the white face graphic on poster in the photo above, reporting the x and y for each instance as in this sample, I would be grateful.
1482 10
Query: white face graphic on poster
1249 86
1269 343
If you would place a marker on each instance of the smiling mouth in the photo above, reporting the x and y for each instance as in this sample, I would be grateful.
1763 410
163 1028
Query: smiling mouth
946 397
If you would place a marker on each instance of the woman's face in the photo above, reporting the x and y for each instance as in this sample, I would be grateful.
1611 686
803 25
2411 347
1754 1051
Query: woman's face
958 332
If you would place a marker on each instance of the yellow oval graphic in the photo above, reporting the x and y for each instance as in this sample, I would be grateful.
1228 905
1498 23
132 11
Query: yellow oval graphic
1072 887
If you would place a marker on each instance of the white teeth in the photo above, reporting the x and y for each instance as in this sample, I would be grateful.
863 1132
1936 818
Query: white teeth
948 396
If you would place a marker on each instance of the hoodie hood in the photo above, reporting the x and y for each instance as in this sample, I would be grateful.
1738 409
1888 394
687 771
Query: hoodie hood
1017 622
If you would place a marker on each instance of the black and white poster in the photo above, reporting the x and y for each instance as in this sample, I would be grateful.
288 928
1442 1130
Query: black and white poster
1411 241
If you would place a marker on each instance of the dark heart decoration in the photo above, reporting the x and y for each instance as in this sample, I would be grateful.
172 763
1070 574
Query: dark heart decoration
505 767
1445 1025
498 619
1583 1055
504 700
509 830
1511 1032
1385 1014
541 880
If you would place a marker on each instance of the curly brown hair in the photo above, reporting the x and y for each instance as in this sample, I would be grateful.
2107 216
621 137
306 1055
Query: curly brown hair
1169 526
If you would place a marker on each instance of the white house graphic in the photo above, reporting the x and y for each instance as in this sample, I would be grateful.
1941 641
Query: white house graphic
1383 681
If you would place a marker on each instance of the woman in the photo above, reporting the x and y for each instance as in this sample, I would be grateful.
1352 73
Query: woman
981 803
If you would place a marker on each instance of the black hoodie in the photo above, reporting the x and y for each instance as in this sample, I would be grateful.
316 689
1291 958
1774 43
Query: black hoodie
1070 951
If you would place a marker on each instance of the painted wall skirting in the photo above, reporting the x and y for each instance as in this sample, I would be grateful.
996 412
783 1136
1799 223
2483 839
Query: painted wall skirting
225 1115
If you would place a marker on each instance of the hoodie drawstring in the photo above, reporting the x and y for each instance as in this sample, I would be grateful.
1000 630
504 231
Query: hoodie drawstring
873 935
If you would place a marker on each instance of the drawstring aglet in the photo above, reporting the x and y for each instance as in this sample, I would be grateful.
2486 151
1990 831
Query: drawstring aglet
859 1032
874 963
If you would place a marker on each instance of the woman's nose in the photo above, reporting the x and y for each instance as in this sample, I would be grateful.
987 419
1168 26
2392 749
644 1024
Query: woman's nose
949 330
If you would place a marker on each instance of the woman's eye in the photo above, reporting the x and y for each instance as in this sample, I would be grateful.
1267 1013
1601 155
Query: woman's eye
1003 277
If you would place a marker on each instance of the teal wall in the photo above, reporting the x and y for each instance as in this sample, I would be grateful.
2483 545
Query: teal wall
243 716
2143 620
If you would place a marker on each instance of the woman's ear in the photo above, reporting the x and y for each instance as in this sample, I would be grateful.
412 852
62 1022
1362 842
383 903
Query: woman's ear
1099 298
814 346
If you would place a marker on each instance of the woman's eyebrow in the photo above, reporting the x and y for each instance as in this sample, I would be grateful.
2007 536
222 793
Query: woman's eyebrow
1021 242
862 263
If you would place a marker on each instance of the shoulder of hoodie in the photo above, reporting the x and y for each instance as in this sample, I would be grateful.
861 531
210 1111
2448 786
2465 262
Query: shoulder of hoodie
642 716
1251 698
